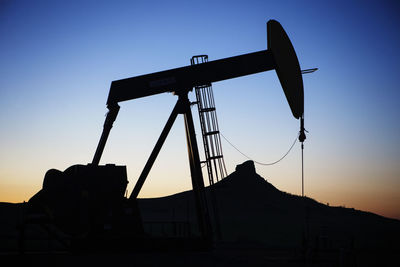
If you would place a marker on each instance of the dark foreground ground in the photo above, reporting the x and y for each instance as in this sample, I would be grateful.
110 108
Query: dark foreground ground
223 256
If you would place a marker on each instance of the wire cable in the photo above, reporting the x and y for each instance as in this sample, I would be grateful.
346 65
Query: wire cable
258 162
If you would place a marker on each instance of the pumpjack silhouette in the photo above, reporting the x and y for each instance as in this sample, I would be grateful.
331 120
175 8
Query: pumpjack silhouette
87 202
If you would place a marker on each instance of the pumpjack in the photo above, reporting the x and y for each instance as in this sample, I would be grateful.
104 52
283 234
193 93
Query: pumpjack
87 202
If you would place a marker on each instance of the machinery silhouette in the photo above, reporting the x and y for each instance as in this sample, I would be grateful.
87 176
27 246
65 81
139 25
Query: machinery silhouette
87 202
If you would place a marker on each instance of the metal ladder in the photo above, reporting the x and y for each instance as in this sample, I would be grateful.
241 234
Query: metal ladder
209 127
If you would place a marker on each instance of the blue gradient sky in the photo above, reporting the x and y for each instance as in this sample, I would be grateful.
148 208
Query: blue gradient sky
58 59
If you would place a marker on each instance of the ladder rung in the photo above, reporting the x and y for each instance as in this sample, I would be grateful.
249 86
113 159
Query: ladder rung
216 157
211 133
203 86
207 109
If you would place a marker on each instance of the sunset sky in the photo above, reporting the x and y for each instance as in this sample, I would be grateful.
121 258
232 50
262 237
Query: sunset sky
58 58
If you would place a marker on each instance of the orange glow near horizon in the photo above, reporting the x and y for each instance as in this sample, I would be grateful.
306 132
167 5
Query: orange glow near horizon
383 202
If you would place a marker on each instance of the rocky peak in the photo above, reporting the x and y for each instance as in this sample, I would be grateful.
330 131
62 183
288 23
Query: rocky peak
246 167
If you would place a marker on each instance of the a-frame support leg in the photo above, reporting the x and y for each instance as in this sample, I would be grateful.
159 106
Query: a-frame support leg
183 106
196 174
156 150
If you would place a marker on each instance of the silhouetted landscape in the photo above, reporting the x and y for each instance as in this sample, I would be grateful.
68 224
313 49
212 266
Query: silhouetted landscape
258 224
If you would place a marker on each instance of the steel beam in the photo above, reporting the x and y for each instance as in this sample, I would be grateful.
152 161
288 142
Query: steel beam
185 78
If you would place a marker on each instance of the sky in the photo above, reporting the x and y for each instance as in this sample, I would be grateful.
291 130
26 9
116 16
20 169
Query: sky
58 59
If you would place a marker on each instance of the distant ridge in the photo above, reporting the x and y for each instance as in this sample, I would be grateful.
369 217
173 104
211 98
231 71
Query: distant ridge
253 211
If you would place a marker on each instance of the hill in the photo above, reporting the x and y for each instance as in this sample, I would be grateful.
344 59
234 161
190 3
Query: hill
254 212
